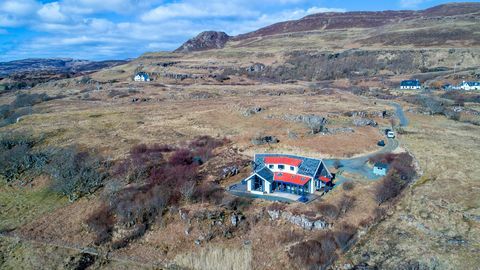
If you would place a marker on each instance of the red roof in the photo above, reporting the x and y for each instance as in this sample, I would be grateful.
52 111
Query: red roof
291 178
325 179
283 160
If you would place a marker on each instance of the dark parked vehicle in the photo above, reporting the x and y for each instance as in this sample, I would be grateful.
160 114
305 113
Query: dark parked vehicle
381 143
303 199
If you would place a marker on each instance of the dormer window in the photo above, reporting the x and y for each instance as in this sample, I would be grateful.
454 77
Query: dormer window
292 168
281 167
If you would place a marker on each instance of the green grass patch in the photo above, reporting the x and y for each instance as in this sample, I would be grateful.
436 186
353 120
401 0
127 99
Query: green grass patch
19 206
424 179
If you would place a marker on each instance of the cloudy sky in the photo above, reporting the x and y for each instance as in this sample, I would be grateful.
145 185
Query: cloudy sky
120 29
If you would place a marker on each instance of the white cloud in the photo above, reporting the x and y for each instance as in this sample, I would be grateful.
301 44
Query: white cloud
313 10
51 13
411 3
18 7
96 6
94 29
198 10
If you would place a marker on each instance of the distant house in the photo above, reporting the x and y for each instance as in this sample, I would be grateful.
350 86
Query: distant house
380 168
142 77
468 86
410 84
287 173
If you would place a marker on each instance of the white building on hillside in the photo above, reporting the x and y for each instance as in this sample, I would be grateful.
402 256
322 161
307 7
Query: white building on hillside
142 77
467 86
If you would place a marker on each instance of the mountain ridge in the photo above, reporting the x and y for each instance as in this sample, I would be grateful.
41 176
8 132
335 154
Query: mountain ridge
335 20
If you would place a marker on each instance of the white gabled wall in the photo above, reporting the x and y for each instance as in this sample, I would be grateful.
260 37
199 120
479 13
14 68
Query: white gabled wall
249 184
286 170
267 187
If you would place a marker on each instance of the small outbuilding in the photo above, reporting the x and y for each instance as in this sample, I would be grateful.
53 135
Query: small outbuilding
380 168
142 77
468 86
410 84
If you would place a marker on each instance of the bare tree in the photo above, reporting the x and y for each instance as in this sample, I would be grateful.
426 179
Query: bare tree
187 189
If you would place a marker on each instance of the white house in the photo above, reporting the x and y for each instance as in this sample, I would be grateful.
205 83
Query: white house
287 173
142 77
467 86
410 84
380 169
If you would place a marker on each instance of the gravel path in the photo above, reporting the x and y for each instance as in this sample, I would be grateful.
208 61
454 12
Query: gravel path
358 165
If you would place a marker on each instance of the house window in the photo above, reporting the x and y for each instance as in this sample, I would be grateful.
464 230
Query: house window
292 168
281 167
270 166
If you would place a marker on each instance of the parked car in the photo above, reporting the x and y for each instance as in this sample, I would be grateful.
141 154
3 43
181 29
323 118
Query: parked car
303 199
390 134
381 143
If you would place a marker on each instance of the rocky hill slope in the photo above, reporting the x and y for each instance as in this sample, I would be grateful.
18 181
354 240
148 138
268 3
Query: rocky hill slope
205 41
385 26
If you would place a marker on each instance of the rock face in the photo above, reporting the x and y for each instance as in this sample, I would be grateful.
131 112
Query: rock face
362 122
204 41
299 220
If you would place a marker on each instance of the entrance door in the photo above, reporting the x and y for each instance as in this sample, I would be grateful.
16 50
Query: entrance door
257 184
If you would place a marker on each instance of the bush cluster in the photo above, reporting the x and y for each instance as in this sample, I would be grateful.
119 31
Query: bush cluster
74 173
22 105
401 173
17 157
164 175
314 253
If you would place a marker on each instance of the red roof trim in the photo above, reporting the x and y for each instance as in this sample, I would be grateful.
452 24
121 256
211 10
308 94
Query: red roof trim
325 179
283 160
291 178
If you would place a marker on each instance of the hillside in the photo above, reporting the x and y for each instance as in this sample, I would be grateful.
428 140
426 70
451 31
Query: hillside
29 72
382 24
99 171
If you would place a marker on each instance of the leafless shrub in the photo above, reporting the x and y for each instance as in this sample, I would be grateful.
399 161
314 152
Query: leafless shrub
343 235
101 223
345 204
276 206
348 185
328 210
315 253
290 236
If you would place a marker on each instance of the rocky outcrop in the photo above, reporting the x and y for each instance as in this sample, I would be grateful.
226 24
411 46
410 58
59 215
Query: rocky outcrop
204 41
299 220
362 122
261 140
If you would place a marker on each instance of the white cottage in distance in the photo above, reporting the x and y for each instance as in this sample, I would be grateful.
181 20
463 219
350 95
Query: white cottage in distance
410 84
142 77
468 86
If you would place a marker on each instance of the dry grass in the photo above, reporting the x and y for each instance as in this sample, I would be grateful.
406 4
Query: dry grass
437 208
217 258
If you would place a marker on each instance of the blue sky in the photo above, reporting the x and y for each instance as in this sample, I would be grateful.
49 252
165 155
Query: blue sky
120 29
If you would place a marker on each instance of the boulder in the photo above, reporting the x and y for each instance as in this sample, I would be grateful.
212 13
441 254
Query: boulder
274 214
234 220
362 122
